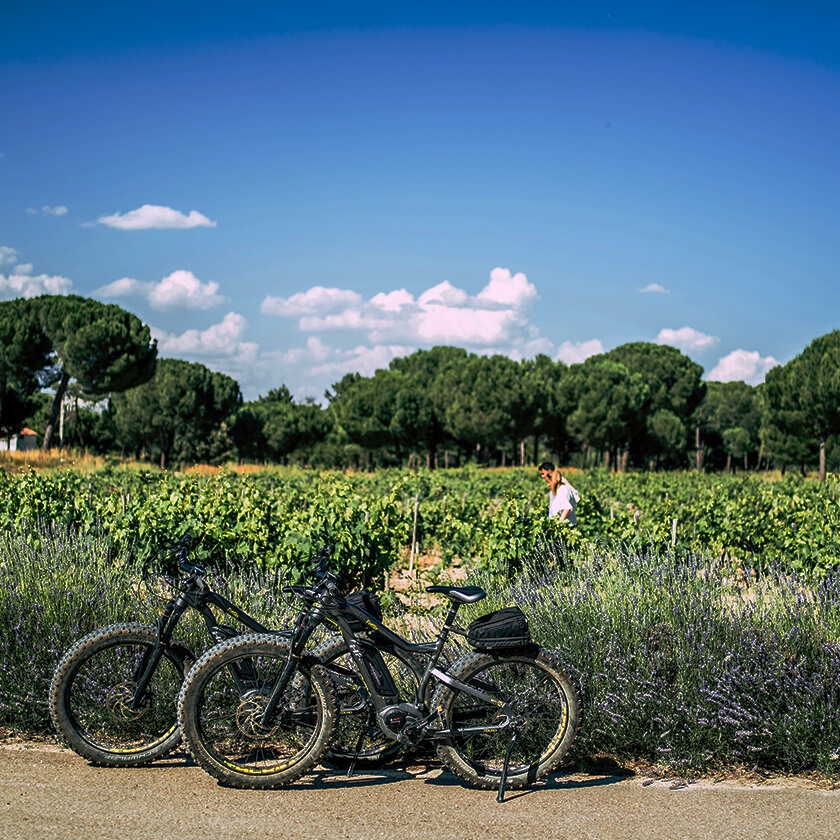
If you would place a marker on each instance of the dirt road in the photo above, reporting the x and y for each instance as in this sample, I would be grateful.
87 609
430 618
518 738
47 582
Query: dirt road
51 793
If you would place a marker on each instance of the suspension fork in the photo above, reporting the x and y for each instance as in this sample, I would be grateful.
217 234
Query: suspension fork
302 633
151 658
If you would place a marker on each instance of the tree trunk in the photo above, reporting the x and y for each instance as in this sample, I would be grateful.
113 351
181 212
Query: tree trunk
822 459
698 452
624 458
59 397
165 449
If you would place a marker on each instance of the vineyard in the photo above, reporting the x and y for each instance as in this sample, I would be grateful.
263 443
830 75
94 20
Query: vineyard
699 615
492 518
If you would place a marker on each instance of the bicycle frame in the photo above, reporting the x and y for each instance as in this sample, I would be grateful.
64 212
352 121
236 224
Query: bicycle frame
361 651
196 594
365 651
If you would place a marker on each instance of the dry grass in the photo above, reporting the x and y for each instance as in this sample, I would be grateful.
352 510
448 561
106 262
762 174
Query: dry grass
35 459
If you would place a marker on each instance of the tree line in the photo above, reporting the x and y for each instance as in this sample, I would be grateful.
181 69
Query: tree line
640 405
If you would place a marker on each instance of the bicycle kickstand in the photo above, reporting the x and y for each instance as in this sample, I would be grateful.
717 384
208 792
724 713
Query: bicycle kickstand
359 743
503 780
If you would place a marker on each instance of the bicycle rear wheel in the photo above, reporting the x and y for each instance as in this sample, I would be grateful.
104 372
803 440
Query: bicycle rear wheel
537 704
356 711
93 687
223 701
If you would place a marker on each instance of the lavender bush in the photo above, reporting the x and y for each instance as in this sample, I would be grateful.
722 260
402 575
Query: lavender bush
57 585
689 662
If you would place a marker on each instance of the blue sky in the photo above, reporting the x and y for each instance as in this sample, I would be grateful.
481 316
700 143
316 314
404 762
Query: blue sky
288 192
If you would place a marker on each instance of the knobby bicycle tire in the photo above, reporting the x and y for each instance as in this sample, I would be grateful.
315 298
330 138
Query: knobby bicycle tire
221 724
545 710
93 685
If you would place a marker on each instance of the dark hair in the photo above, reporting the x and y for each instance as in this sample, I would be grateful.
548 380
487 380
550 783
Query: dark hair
546 465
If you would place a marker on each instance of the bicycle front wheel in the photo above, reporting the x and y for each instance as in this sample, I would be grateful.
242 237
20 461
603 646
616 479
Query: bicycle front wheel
534 706
92 696
222 706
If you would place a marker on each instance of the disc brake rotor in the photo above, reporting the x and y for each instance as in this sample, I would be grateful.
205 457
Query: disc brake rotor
249 715
118 702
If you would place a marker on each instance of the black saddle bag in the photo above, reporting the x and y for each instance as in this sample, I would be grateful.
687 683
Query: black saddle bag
505 628
367 601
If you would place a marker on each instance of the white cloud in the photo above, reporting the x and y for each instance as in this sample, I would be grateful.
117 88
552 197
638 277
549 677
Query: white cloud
220 341
124 287
742 365
19 281
443 314
451 325
315 350
393 301
179 290
361 359
444 294
687 339
154 216
654 289
506 290
8 256
573 352
47 210
184 289
25 285
318 300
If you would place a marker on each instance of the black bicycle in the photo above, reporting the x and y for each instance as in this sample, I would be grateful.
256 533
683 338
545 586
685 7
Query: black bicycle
113 694
504 714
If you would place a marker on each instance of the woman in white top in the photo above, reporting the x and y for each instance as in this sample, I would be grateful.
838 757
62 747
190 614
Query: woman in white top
562 496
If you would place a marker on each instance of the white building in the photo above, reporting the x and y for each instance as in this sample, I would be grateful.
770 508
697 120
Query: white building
25 440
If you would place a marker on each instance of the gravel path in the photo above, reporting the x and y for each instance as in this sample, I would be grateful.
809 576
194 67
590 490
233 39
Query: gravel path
52 793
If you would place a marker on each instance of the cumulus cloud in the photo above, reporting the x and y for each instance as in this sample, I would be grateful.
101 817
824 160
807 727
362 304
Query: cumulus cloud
8 256
443 294
573 352
654 289
28 286
184 289
318 300
217 342
179 290
687 339
508 291
361 359
124 287
154 216
17 280
392 301
443 314
315 350
742 365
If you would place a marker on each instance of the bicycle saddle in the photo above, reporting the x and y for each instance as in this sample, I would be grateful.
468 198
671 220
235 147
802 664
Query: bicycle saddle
464 594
